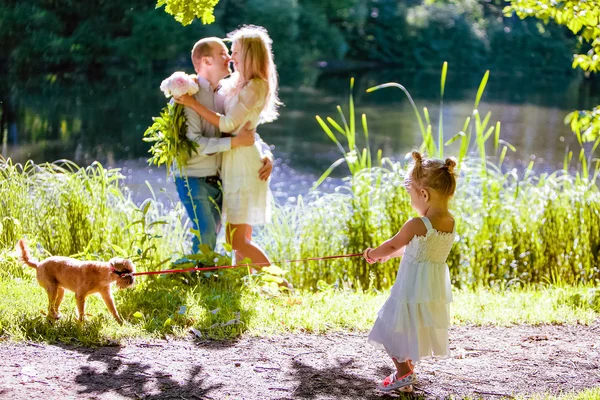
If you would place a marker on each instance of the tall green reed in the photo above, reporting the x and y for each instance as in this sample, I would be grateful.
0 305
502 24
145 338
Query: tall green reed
64 209
355 158
514 227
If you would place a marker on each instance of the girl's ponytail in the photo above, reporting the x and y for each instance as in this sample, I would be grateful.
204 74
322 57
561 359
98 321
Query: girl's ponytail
434 174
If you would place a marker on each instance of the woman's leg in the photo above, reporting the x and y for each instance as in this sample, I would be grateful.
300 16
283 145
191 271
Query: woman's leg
240 238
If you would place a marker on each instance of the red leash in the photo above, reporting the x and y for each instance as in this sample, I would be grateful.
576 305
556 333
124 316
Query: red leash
174 271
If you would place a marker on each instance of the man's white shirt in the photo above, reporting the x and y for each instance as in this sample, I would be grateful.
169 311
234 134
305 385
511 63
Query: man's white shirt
207 162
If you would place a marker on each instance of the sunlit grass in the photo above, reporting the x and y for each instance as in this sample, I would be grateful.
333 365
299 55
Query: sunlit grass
514 226
588 394
225 306
511 229
527 251
67 210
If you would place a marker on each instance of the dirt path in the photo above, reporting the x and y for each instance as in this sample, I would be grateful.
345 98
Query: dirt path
487 362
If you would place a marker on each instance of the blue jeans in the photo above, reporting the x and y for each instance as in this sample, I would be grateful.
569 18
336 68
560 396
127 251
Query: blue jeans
207 199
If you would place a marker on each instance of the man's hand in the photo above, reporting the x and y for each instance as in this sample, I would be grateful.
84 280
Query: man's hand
265 171
244 138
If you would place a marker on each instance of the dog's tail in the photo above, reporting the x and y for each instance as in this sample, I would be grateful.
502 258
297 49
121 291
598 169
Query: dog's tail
24 255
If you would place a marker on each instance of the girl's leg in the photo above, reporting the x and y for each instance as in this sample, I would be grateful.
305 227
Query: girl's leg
240 238
403 368
402 379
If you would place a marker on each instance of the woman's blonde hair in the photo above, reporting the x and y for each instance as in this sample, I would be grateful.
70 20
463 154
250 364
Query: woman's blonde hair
434 174
256 56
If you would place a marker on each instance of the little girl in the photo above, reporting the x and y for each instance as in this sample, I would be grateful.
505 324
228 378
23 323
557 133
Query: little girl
250 97
414 321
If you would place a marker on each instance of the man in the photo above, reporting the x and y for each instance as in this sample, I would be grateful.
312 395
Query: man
199 190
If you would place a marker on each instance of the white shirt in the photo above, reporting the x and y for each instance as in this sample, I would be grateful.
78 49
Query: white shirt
207 162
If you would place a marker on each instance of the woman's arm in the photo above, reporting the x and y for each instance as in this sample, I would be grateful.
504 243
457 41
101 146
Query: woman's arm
395 245
210 116
252 96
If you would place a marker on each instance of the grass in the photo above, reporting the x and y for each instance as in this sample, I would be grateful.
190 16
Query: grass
227 305
67 210
514 226
589 394
528 247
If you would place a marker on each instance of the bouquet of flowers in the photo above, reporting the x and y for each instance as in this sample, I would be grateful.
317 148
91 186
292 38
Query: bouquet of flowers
168 132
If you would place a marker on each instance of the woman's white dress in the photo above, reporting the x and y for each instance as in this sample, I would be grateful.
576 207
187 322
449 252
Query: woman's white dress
413 322
246 199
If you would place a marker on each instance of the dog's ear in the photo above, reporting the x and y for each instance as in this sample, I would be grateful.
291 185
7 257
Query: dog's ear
122 265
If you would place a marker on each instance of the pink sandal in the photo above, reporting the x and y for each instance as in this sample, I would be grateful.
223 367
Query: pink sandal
403 383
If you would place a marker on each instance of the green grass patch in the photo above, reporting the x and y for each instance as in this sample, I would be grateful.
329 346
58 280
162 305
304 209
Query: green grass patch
527 249
225 306
589 394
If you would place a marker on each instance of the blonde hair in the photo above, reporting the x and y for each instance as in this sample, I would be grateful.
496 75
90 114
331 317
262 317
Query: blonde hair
434 174
204 47
256 57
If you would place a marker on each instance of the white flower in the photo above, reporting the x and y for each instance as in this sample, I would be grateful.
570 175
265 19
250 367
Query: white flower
178 84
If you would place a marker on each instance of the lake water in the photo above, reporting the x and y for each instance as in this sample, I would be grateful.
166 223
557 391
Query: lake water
88 122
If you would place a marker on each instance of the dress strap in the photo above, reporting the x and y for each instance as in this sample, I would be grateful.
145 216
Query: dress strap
427 223
454 228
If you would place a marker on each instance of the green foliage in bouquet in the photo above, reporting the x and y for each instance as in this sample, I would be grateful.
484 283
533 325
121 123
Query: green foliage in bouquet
168 135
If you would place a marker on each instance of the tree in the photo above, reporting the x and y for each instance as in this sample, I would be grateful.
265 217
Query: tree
185 11
582 17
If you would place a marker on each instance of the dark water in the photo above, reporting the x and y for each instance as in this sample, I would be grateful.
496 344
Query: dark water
88 122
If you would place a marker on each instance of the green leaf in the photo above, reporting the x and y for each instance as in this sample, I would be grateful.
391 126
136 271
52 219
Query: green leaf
161 222
274 270
455 137
481 88
328 172
205 249
271 278
329 133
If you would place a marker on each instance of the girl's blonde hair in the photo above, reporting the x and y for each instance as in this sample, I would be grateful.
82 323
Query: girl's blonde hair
434 174
256 56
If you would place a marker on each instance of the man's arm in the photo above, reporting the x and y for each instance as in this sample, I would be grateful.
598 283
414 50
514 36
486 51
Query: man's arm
267 158
206 145
265 149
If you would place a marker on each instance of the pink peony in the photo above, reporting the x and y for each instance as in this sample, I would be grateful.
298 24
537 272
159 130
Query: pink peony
178 84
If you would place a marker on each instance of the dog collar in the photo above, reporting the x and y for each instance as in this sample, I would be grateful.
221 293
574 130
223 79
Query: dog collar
120 273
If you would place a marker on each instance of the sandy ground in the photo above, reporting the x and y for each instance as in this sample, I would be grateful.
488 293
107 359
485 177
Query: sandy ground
487 362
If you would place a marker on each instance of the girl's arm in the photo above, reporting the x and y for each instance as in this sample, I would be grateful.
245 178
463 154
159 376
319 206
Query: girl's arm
395 245
397 254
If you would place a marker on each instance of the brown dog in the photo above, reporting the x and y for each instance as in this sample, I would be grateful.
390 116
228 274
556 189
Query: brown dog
55 274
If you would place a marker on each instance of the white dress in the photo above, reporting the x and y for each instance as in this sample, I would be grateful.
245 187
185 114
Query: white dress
413 322
246 199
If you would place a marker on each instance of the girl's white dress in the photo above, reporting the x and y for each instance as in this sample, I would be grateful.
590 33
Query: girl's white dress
246 199
413 322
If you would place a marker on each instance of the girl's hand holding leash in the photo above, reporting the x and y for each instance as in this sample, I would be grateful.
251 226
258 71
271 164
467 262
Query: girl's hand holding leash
374 260
366 256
